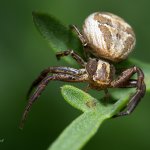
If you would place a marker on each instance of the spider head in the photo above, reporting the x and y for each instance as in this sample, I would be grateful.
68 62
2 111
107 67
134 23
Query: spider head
100 72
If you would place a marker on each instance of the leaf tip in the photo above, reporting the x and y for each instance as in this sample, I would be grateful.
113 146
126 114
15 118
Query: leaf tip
34 16
64 88
34 13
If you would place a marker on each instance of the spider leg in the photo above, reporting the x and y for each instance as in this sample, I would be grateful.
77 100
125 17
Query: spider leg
86 48
73 55
45 72
43 84
125 81
79 34
131 83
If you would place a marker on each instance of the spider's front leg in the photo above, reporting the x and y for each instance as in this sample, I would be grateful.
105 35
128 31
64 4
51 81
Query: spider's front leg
84 42
79 34
43 84
124 81
73 54
45 72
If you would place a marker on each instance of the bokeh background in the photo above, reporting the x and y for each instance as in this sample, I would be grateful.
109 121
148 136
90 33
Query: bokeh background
24 53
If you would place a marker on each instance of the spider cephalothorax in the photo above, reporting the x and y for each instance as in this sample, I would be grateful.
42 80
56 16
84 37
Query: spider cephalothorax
97 72
100 73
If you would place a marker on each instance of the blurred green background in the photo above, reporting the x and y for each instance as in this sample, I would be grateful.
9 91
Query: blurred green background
24 53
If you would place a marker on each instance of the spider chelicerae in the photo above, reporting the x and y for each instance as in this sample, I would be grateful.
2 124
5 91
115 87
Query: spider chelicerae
98 72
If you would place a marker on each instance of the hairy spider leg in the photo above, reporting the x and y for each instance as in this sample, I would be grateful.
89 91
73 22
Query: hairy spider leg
45 72
43 84
86 47
42 75
79 34
124 81
131 83
73 54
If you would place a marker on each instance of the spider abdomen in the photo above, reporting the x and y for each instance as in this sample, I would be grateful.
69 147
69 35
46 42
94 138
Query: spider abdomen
108 36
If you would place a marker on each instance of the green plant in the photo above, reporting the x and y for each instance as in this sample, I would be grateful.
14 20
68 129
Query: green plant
95 112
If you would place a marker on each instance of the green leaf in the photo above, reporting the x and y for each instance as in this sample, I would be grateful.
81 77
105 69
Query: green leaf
85 126
78 132
59 37
78 99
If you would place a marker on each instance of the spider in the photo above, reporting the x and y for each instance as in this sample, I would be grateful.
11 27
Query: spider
97 71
